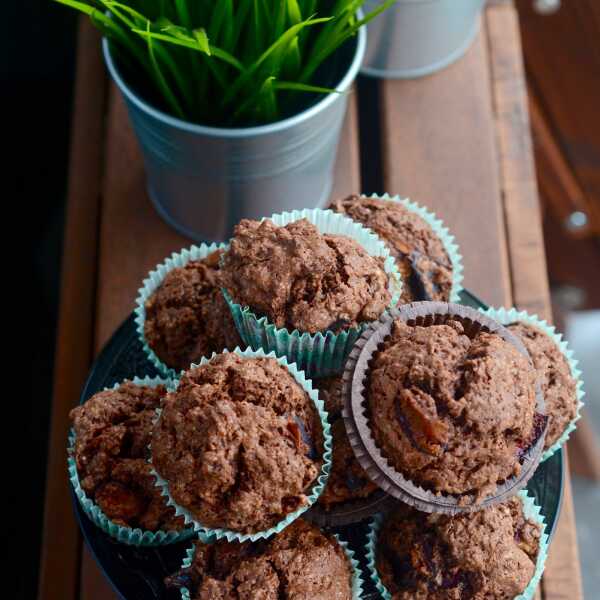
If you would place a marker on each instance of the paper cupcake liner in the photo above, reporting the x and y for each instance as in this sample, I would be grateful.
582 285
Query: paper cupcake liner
125 535
530 509
153 282
318 354
357 577
317 488
512 315
356 418
442 232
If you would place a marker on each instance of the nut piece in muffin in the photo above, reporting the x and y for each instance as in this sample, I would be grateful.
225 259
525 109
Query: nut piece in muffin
187 317
420 255
347 479
554 376
451 413
487 555
113 430
301 279
301 562
240 443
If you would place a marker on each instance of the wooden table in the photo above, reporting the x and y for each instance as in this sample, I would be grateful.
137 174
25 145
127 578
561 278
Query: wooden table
457 141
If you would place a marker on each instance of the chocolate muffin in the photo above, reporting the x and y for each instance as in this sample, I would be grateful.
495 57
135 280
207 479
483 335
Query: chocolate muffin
452 413
420 255
301 279
187 317
487 555
301 562
347 479
330 391
113 430
240 443
554 376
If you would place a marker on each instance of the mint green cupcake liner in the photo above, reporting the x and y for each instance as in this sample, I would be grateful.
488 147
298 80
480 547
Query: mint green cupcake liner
357 579
125 535
318 354
442 232
512 315
317 488
153 282
530 509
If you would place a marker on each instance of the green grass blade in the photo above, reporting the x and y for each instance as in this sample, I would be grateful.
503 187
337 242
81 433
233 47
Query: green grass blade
303 87
220 20
281 42
80 6
183 13
160 79
192 43
294 14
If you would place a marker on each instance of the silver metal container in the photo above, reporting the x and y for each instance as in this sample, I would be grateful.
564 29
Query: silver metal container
418 37
203 180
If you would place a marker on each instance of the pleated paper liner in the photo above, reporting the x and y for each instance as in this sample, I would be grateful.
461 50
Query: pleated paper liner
324 353
512 315
441 231
357 575
152 282
356 417
531 511
316 489
353 510
126 535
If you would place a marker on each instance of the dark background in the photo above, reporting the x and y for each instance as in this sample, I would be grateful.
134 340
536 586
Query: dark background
37 46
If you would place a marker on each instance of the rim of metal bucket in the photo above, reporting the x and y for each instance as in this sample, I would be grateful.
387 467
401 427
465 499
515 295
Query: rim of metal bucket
240 132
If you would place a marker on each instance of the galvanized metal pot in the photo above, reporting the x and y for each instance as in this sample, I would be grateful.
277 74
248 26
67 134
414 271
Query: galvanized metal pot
418 37
203 180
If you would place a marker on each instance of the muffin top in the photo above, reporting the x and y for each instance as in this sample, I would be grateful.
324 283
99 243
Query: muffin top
554 376
301 279
113 430
486 555
347 480
453 414
301 562
240 443
420 255
187 317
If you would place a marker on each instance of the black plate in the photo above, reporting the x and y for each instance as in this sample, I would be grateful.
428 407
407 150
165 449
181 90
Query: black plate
137 574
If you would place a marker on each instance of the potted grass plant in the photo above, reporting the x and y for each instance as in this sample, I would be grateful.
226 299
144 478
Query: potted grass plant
237 104
418 37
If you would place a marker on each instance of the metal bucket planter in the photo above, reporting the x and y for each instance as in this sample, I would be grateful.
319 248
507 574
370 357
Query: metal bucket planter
418 37
203 180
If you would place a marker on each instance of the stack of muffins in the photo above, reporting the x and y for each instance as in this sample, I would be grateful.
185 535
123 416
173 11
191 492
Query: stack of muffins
318 374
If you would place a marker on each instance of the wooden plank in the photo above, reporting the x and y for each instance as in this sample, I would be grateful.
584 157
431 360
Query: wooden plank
60 544
439 148
519 189
133 239
562 578
563 61
559 188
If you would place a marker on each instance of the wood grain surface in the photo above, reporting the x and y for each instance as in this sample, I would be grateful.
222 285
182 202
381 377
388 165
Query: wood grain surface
563 68
562 577
74 343
439 148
